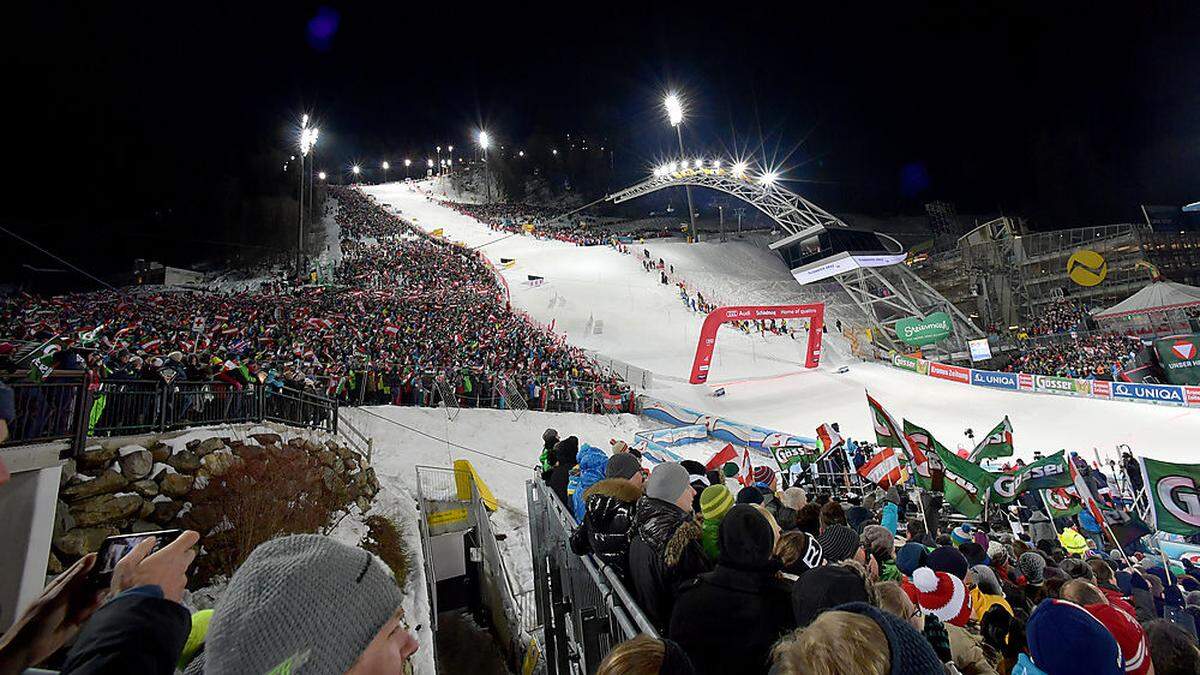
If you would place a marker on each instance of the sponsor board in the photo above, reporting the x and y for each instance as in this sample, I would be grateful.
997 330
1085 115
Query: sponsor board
1054 385
1025 381
914 330
909 363
948 372
987 378
1192 395
1164 393
1101 389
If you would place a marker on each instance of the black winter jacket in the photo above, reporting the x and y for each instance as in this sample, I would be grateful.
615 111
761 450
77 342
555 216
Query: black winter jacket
610 507
560 476
747 610
664 551
133 633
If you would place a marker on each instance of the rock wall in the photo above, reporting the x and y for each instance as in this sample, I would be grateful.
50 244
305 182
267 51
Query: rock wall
144 483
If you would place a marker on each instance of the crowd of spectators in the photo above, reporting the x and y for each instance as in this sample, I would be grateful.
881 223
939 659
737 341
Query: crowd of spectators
1097 356
767 578
542 221
405 309
1060 316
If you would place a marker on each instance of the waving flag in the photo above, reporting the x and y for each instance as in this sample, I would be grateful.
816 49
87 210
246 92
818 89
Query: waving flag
883 469
998 443
1086 498
725 454
927 463
966 483
887 432
746 471
829 438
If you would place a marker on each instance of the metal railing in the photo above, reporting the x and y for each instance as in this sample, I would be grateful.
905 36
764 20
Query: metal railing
582 605
49 411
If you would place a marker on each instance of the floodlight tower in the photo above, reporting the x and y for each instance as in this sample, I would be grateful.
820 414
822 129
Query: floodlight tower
308 140
485 141
674 108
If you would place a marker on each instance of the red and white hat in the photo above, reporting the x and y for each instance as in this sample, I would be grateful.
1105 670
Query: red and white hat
942 595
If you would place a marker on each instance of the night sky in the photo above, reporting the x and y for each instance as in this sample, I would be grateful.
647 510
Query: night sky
122 122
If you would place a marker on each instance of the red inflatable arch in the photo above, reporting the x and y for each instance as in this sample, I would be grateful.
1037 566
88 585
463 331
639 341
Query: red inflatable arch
708 334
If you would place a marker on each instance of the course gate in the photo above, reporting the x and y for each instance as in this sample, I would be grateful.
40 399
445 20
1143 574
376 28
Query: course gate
815 313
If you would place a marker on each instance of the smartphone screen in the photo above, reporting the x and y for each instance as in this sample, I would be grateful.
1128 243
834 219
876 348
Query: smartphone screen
115 548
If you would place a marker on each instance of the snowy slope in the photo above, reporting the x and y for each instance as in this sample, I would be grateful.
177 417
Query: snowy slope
646 325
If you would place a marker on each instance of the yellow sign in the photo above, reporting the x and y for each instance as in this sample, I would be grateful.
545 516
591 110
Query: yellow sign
446 517
1086 267
436 233
528 227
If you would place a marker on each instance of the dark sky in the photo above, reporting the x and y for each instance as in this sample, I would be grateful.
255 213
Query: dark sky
1069 113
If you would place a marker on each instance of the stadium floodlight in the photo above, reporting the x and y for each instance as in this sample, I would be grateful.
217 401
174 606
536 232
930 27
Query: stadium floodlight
554 152
768 178
697 164
485 140
321 175
429 163
439 149
520 153
407 163
304 120
355 169
386 166
739 169
716 164
674 108
449 148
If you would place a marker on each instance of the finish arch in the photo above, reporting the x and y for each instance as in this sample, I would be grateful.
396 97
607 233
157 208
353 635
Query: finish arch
815 313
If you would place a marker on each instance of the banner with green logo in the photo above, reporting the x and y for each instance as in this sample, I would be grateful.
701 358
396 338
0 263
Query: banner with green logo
1174 497
909 363
1048 472
788 455
966 483
1179 357
1062 502
932 476
1054 385
917 331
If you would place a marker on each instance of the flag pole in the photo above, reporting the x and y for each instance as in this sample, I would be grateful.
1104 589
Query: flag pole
1104 524
1049 513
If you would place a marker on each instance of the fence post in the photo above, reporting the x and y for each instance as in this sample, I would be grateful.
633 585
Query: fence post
161 396
83 415
335 426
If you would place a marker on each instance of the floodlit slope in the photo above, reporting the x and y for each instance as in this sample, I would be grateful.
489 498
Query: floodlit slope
646 325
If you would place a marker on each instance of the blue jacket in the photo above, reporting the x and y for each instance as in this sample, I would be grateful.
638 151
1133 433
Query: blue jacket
891 517
592 463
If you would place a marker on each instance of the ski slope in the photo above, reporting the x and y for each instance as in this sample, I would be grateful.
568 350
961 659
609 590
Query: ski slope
646 324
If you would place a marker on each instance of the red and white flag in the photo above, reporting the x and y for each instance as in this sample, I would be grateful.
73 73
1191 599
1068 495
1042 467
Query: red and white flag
830 439
746 471
725 454
1085 494
883 469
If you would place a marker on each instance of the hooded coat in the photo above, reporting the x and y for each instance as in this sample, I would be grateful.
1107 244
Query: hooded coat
565 457
664 552
592 462
741 601
607 523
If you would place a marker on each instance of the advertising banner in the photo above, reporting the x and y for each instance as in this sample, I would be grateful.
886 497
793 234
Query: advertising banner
1192 395
1048 472
1179 357
909 363
948 372
1174 497
815 313
1025 381
987 378
1164 393
1101 389
981 349
917 331
1054 385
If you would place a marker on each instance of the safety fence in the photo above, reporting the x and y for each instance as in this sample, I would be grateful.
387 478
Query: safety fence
67 408
582 605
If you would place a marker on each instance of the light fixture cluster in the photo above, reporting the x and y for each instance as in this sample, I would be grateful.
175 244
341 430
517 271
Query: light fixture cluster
737 169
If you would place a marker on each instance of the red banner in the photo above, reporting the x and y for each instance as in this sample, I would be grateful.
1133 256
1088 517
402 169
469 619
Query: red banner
948 372
815 313
1102 388
1192 394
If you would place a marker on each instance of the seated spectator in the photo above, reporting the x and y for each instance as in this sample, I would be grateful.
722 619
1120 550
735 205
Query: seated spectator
799 552
644 655
1064 640
855 639
715 502
828 586
1172 650
665 549
610 508
740 600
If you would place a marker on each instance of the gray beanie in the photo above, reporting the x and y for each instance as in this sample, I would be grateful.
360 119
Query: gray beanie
623 465
667 481
301 603
986 580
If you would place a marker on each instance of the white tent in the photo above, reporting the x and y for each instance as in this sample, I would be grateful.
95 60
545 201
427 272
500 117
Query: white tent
1160 296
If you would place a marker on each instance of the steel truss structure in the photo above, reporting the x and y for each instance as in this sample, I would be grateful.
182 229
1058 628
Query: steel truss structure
884 295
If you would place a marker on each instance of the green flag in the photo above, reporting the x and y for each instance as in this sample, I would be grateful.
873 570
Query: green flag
966 483
788 455
931 474
1047 472
1174 496
998 443
1062 502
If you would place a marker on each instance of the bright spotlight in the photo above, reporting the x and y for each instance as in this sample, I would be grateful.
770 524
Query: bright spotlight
554 152
321 175
674 108
739 169
356 170
716 164
484 140
407 163
386 166
697 164
429 163
450 148
520 153
768 178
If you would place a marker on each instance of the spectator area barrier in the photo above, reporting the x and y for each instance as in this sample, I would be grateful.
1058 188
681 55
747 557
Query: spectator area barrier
760 440
1163 394
582 606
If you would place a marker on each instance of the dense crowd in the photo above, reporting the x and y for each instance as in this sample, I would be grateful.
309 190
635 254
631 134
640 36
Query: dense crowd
517 217
1060 316
1097 357
770 578
406 308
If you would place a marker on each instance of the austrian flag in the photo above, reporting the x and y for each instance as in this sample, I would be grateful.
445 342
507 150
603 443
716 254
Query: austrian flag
883 469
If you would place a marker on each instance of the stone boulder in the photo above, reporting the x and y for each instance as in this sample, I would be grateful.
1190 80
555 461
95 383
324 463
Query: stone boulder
175 485
164 511
81 541
326 458
145 487
250 453
267 439
135 462
185 461
108 482
209 445
96 458
68 472
218 463
192 444
160 451
62 519
106 509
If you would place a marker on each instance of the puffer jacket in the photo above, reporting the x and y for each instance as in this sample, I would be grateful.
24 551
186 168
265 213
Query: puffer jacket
664 552
970 655
592 463
611 506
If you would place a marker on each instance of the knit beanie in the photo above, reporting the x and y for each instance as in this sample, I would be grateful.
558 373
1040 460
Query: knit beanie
981 538
549 435
747 540
974 553
1033 567
942 595
1130 637
303 600
839 543
715 501
810 554
623 465
667 481
749 495
730 469
908 650
765 475
962 534
997 552
794 498
950 560
911 556
823 588
879 540
1064 639
696 471
986 580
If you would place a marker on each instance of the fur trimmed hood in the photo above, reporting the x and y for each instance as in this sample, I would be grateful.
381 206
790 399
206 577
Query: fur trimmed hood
620 489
